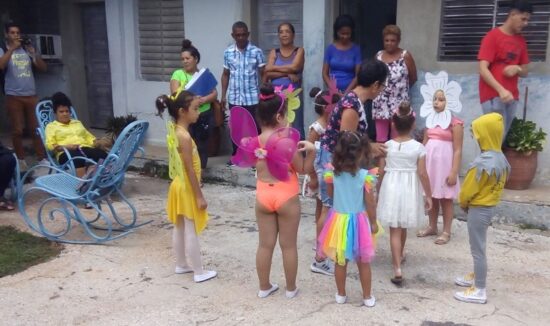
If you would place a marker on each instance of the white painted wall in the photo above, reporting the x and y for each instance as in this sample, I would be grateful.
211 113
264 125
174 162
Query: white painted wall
208 25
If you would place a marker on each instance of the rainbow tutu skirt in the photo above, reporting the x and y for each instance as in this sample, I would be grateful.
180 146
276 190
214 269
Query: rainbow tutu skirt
346 237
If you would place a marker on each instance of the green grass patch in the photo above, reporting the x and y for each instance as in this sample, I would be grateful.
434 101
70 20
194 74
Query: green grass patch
20 250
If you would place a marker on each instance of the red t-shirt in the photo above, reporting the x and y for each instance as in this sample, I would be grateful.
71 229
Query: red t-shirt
501 50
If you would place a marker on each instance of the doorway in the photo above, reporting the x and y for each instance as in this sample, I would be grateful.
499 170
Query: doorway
370 19
96 64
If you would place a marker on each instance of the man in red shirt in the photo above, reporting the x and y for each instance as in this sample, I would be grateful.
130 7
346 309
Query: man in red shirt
503 58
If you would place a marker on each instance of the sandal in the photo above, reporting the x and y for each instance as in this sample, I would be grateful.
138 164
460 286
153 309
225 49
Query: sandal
426 232
397 280
443 238
6 205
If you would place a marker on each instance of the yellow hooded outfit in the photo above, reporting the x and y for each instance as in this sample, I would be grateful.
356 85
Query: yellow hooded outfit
487 175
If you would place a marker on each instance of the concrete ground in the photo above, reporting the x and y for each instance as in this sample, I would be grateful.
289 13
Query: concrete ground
131 281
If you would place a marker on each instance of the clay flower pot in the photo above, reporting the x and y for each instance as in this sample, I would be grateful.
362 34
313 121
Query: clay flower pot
524 166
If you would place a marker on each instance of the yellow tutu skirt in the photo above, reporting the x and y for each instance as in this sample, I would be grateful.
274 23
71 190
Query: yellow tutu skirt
182 202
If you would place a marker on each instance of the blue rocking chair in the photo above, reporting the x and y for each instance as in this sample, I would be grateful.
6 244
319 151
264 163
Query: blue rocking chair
66 194
44 115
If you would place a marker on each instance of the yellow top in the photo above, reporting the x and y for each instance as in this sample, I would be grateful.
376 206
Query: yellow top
72 133
486 177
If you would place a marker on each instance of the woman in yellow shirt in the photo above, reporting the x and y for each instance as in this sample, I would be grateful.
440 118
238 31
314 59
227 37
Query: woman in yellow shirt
70 134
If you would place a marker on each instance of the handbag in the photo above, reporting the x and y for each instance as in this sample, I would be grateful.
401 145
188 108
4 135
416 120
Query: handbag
216 106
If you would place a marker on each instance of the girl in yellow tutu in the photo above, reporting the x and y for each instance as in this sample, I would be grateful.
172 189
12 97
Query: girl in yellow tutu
348 233
186 206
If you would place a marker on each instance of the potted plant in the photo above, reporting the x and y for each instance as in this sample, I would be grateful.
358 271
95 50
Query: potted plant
521 147
115 125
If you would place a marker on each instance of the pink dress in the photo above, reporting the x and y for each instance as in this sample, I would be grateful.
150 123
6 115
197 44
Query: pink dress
439 160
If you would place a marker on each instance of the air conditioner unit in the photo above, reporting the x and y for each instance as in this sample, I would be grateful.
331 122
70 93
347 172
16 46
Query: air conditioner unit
49 46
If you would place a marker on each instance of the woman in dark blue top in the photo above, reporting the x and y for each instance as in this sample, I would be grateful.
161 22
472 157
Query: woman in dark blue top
342 57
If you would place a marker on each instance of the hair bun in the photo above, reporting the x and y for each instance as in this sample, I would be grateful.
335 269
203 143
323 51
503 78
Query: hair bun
314 91
186 44
267 89
404 108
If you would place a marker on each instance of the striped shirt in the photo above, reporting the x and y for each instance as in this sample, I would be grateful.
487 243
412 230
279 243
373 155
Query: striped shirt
243 74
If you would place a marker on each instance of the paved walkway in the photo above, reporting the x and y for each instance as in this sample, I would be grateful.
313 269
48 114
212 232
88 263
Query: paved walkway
131 281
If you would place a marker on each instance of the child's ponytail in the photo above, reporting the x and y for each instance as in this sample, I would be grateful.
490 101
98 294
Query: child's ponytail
178 100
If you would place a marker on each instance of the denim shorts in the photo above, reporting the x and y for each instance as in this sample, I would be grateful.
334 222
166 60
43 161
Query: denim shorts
322 157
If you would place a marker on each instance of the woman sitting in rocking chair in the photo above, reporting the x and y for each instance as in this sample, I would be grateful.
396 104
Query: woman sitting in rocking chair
70 134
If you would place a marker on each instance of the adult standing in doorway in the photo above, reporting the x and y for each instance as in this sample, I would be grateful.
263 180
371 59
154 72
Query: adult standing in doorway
342 57
284 68
502 59
200 131
349 114
18 57
243 67
402 76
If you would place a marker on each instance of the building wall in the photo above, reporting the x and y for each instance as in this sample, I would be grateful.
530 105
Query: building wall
211 36
420 35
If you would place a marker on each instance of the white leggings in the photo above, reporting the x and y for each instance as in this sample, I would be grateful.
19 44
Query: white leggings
186 245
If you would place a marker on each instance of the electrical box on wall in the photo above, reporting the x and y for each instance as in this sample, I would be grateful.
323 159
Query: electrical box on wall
49 46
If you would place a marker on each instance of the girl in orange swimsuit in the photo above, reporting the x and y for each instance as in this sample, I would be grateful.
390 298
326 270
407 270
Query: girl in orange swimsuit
277 202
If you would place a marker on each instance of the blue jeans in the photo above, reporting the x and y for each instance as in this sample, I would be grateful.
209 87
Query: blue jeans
507 110
322 158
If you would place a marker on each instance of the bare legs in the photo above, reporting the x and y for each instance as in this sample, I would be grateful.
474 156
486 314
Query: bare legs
446 206
284 225
340 274
398 237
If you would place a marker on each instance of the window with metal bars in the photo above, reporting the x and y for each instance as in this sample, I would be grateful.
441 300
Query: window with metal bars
465 22
160 25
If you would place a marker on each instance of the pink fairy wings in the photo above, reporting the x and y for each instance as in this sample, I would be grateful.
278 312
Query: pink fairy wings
278 151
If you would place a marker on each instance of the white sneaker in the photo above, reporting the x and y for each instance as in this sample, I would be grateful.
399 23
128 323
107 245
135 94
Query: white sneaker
466 280
340 299
291 294
182 270
472 295
268 292
325 267
204 276
370 302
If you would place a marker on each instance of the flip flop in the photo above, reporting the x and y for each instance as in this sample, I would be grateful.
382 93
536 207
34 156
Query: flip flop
6 205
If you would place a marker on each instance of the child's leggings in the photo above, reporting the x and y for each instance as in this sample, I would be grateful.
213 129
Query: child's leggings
186 245
479 219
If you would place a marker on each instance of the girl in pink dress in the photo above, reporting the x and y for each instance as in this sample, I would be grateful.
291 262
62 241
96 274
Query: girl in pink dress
443 140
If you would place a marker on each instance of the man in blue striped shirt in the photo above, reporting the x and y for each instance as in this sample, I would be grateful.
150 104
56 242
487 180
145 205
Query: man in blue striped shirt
243 67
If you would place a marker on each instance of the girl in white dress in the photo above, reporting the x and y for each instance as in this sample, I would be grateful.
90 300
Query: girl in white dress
403 177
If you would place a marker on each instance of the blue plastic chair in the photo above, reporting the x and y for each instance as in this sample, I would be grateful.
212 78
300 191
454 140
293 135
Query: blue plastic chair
44 115
66 193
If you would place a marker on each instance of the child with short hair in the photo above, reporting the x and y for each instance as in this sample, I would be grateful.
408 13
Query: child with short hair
480 193
403 177
348 233
186 205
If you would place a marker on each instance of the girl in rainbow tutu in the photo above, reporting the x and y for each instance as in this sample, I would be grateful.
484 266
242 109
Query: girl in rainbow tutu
348 233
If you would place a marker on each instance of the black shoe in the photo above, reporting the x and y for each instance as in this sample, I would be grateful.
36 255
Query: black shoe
229 164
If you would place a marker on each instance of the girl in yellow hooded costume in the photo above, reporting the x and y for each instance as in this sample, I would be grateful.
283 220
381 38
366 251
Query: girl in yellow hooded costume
478 197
